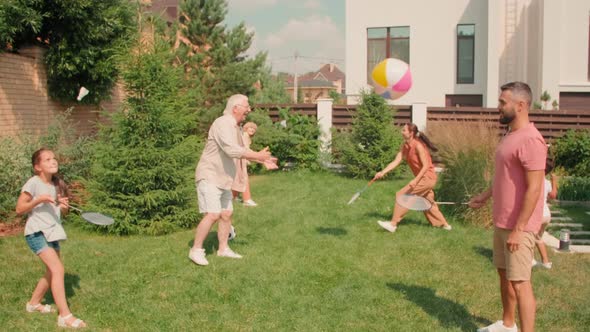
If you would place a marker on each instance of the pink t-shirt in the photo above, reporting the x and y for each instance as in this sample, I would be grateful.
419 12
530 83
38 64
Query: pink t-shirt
520 151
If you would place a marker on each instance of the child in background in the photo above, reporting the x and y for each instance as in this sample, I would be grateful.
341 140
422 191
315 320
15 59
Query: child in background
249 130
44 198
549 193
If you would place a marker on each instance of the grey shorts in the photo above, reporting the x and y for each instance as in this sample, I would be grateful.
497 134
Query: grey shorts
213 199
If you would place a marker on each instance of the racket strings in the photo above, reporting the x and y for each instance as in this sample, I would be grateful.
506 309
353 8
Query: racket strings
413 202
97 218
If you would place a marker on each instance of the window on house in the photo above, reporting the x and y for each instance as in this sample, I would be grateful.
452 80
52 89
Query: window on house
465 53
382 43
589 51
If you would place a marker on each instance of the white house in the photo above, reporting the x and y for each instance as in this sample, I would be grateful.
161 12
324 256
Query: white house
461 51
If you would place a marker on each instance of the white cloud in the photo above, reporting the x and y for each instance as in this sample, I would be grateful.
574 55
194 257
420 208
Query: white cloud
316 39
311 29
312 4
249 5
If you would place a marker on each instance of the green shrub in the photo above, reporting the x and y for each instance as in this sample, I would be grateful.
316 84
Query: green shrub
574 189
143 170
373 140
572 152
297 142
467 151
72 152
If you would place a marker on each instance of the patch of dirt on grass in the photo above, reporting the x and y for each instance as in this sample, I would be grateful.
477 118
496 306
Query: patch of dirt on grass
12 228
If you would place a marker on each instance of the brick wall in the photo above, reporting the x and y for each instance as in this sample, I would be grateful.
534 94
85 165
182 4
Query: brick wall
25 107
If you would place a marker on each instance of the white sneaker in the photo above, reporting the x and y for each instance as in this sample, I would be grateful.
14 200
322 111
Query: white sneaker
547 265
232 233
498 327
197 255
447 227
387 225
250 203
228 253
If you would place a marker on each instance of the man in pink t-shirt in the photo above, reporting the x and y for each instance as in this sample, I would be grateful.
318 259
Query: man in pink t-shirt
517 194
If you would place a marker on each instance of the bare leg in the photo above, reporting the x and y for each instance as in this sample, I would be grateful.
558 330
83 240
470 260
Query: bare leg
526 304
223 229
246 194
543 251
42 288
508 299
55 267
203 229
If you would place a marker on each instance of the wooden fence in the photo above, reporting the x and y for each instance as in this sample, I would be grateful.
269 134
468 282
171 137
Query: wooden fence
551 124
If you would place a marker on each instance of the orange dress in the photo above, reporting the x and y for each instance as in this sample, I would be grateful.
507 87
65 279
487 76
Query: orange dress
427 182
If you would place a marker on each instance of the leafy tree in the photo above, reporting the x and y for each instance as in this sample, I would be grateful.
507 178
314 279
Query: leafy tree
295 139
213 56
144 162
271 91
373 141
335 96
82 38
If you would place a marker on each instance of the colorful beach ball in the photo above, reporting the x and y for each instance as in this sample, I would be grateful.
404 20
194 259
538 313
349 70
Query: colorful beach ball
392 78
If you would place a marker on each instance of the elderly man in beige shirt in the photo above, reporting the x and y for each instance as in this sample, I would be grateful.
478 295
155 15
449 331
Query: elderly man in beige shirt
215 174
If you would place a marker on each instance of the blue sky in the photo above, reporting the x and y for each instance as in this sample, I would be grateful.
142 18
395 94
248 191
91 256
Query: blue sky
313 28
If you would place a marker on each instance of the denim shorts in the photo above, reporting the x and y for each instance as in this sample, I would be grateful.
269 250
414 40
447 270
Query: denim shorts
38 243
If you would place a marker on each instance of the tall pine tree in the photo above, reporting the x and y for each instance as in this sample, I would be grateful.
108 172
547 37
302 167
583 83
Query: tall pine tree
213 56
145 159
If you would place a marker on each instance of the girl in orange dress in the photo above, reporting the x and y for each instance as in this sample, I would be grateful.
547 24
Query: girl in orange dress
415 151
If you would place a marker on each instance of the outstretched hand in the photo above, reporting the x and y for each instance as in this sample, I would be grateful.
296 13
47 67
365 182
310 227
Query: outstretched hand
271 164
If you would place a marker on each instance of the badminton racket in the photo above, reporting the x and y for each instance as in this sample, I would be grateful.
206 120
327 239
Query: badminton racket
94 217
358 193
419 203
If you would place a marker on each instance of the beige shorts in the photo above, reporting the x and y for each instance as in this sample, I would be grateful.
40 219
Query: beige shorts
517 264
213 199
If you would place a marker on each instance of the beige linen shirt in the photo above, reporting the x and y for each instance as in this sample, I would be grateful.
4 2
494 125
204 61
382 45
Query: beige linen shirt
217 165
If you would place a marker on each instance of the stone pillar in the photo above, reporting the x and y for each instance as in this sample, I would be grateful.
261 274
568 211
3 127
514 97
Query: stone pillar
419 115
325 122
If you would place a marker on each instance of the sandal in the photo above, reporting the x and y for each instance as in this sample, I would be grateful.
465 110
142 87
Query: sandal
42 308
76 324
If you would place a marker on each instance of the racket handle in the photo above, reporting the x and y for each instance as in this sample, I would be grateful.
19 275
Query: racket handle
74 208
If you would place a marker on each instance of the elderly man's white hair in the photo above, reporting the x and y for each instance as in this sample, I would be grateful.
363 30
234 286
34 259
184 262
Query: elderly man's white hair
232 102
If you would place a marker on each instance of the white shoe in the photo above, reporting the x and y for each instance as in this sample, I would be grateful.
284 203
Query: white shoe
547 265
197 255
250 203
42 308
228 253
498 327
232 233
387 225
447 227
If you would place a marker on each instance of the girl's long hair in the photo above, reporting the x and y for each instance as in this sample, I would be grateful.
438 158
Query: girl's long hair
56 179
420 135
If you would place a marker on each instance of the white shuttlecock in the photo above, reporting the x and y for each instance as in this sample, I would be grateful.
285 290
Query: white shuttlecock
83 92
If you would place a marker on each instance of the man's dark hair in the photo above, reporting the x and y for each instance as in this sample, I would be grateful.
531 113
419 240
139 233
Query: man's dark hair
519 89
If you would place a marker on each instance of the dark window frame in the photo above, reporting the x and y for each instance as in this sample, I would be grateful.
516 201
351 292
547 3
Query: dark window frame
472 39
388 39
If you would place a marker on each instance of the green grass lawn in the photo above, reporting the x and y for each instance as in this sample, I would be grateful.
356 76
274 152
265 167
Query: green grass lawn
311 263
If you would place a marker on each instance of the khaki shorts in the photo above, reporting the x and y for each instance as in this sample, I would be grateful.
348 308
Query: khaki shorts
517 264
213 199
